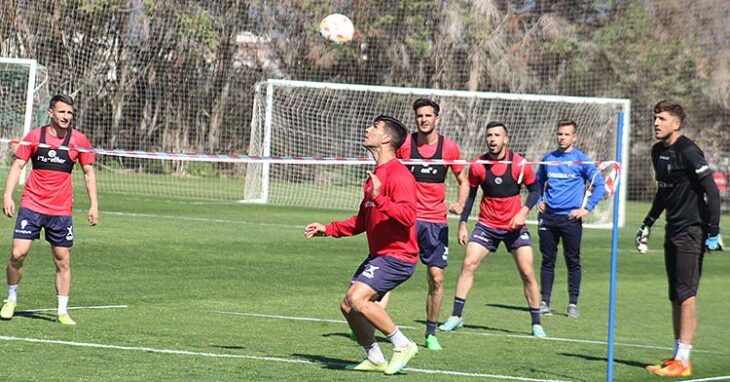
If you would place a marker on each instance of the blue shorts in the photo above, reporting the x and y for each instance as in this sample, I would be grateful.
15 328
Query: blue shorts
433 241
59 229
383 273
490 238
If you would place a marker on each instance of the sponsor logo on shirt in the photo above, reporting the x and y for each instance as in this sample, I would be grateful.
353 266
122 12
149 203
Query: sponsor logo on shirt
426 169
52 158
702 169
369 204
560 175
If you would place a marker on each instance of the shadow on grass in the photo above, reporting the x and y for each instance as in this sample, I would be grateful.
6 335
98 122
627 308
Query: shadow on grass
36 315
347 336
475 327
229 347
326 362
604 360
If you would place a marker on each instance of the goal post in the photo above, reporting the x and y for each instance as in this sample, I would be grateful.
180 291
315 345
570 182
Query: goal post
314 119
19 99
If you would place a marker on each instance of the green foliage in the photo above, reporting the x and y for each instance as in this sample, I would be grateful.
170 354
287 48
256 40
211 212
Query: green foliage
646 61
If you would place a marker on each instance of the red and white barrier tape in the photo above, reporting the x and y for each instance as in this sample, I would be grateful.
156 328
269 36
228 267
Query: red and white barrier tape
233 158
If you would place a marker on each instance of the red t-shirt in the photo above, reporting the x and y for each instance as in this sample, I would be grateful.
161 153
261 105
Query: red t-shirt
432 196
388 219
46 191
498 212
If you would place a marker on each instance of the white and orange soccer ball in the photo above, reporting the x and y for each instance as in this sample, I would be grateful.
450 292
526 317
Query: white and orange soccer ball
336 28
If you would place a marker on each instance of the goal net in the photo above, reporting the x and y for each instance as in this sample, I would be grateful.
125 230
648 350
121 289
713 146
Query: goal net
23 94
309 119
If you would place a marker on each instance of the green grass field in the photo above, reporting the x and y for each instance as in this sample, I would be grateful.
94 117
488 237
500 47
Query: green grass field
216 292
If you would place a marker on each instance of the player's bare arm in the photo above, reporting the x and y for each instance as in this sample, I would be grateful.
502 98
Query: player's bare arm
10 184
463 192
463 234
90 181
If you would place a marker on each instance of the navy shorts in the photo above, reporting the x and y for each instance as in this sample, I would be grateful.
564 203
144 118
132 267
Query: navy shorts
490 238
383 273
433 241
683 254
59 229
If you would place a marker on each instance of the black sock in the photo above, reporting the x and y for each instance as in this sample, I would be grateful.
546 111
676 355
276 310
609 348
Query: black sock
535 315
431 328
458 306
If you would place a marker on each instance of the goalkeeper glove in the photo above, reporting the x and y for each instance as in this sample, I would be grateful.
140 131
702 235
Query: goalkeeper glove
642 237
714 243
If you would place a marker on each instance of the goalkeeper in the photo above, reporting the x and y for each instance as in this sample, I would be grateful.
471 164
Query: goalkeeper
691 199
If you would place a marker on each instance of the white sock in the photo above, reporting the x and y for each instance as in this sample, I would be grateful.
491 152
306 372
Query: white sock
399 339
683 353
375 355
62 304
13 292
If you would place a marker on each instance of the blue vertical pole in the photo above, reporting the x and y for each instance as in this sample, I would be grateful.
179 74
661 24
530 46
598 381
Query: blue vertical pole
614 251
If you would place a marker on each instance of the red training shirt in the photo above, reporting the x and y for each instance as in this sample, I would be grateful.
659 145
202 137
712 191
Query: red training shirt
432 196
46 191
498 212
388 219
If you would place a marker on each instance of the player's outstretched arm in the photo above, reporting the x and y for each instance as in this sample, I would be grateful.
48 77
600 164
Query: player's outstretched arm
10 184
314 229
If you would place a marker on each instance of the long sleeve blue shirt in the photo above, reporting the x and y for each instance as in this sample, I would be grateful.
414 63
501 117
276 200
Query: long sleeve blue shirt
563 186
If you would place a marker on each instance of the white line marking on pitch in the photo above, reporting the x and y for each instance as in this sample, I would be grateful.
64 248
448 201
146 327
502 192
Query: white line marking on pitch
466 332
257 358
73 308
723 378
207 220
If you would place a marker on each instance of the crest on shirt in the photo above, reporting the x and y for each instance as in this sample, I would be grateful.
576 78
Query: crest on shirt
498 180
51 153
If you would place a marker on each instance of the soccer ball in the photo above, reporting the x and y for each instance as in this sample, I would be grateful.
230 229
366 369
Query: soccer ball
336 28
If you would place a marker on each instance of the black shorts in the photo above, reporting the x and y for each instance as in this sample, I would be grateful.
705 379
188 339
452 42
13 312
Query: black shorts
433 243
683 254
59 229
383 273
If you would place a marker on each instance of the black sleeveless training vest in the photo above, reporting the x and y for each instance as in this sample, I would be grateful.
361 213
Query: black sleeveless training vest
503 186
428 173
46 158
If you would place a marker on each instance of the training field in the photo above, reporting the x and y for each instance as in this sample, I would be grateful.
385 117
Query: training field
216 292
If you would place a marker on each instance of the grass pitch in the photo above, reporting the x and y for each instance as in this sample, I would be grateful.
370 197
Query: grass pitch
217 292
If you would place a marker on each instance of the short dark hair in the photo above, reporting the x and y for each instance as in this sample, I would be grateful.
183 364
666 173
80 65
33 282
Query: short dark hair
568 122
396 129
670 107
60 98
421 102
496 124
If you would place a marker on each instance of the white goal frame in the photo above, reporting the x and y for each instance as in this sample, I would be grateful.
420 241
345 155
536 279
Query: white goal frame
268 108
29 96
